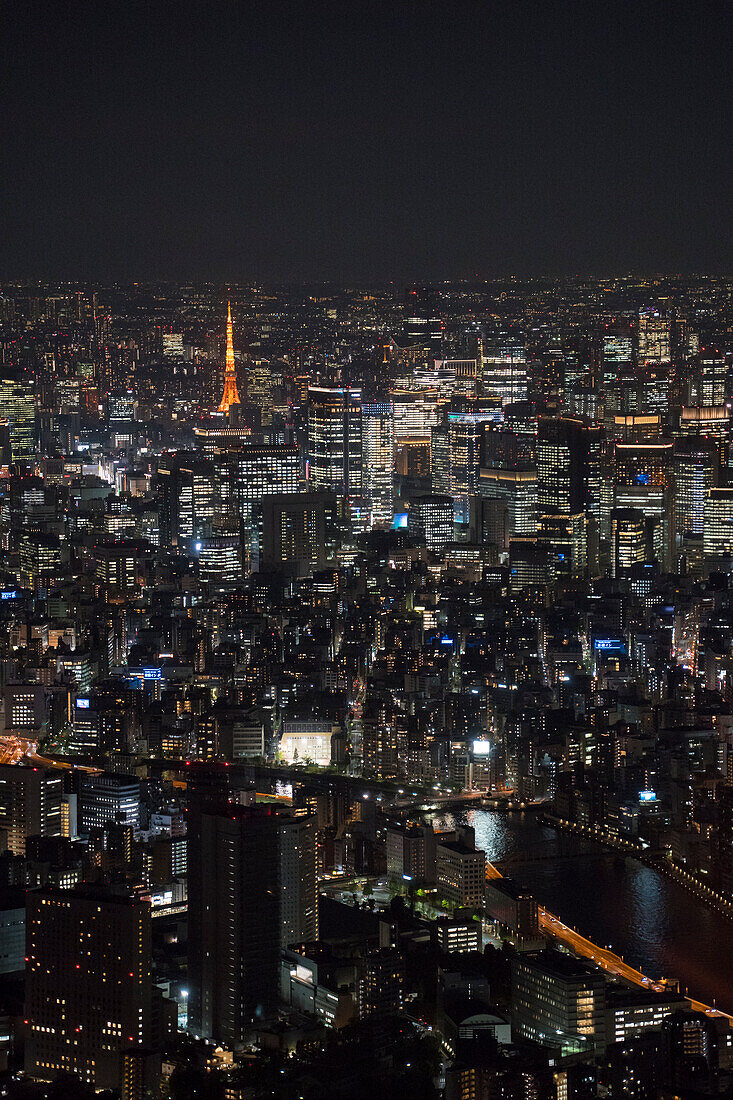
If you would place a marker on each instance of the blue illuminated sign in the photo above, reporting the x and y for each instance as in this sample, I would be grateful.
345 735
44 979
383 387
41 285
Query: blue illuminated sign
609 645
82 704
400 520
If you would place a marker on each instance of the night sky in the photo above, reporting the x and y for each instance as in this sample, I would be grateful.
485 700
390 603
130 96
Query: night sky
364 141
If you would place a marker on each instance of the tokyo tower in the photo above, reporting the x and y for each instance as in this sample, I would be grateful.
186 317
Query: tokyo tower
230 395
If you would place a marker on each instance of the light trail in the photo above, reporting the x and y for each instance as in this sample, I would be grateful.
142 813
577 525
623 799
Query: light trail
603 957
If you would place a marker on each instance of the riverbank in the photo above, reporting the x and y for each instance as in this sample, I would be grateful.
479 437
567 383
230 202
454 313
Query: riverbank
657 860
646 916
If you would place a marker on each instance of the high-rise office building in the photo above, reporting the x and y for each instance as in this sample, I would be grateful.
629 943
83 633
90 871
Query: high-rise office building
718 522
635 428
696 465
643 481
532 564
653 388
121 410
377 433
415 413
380 988
235 928
40 558
6 454
460 868
432 517
617 352
88 983
559 999
423 328
18 406
334 444
504 369
261 383
711 380
568 466
172 345
30 803
457 447
653 337
509 474
188 498
571 541
219 556
85 726
629 540
710 422
260 470
691 1054
26 708
518 488
647 464
298 532
109 797
465 435
248 475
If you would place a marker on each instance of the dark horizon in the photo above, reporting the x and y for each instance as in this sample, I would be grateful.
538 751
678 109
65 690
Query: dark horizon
384 285
367 143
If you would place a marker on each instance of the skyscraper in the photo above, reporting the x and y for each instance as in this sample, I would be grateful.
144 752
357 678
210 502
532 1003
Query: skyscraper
298 879
718 522
432 517
18 406
508 473
334 443
298 531
188 498
629 542
30 803
712 380
88 983
654 337
456 454
616 352
377 431
234 912
250 474
643 481
696 464
415 413
568 466
519 489
505 369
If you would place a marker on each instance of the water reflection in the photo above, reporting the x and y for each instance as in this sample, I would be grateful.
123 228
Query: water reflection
651 921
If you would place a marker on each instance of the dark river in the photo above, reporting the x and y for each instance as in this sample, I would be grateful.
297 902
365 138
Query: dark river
648 919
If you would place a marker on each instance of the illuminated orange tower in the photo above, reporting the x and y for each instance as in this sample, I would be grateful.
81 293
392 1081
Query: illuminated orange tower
230 396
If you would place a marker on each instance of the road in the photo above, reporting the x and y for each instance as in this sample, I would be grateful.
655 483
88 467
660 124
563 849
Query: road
601 956
13 749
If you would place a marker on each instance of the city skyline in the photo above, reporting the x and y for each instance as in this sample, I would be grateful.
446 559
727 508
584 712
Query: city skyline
366 550
367 686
